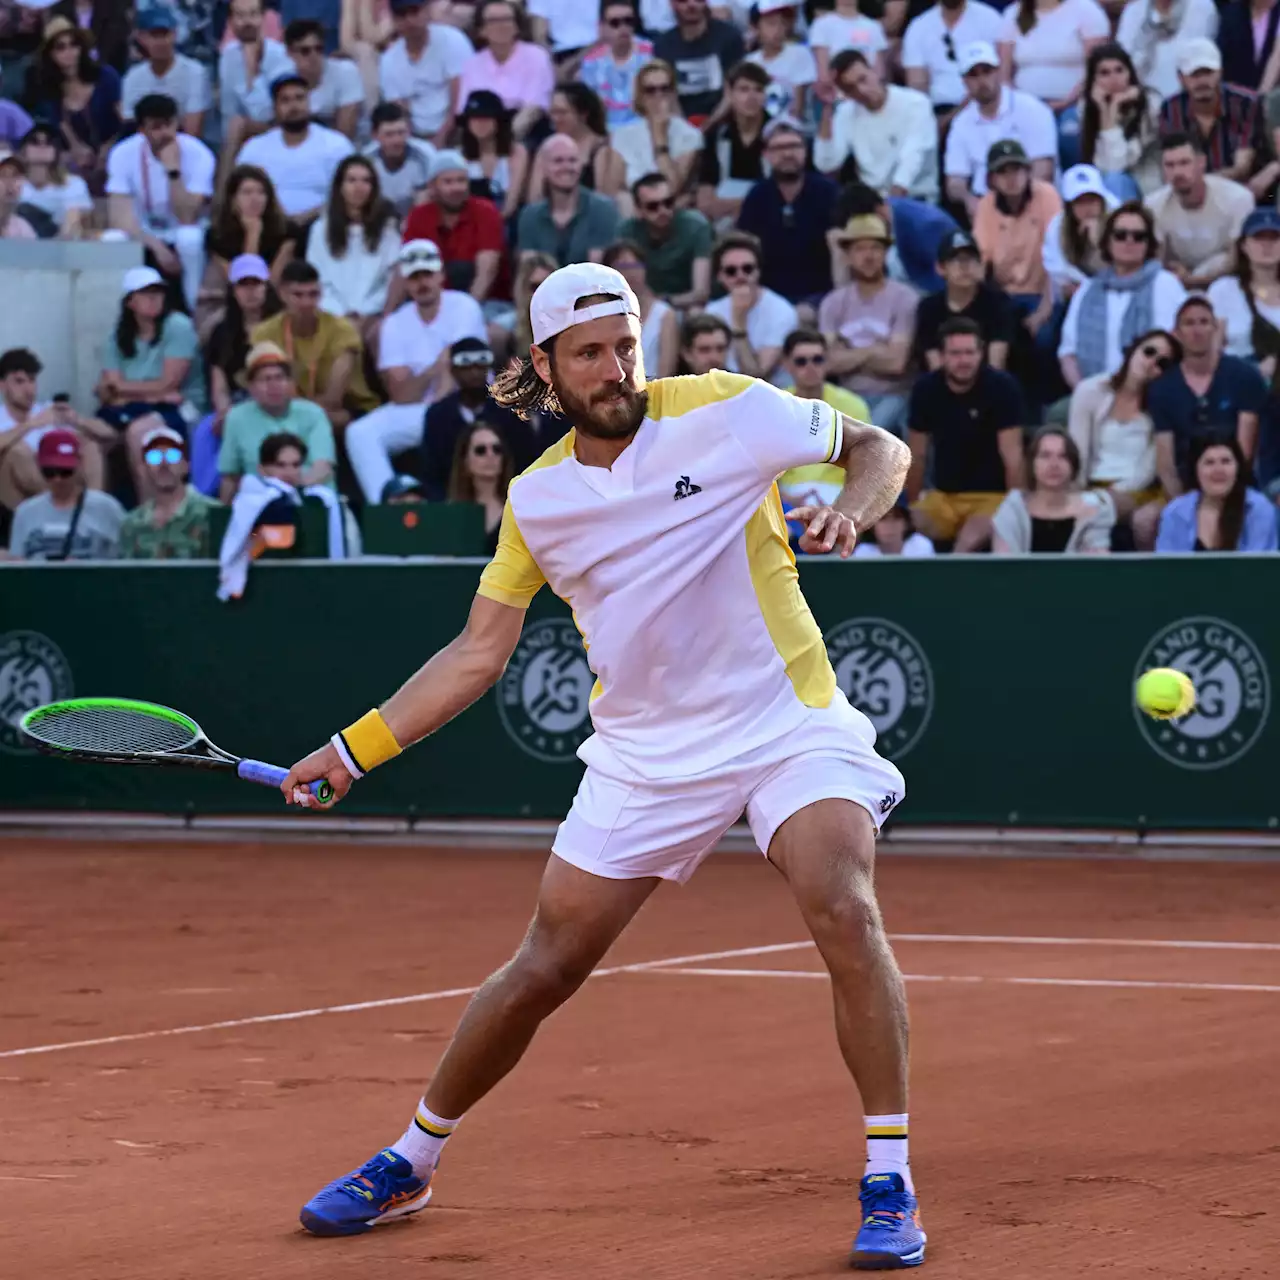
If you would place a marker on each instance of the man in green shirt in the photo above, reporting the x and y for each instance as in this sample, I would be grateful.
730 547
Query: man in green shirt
174 525
274 408
676 243
572 224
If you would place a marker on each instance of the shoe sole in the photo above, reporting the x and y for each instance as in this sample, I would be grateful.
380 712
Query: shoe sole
863 1260
319 1226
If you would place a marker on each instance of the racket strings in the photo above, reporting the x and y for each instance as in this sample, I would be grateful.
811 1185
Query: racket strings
111 729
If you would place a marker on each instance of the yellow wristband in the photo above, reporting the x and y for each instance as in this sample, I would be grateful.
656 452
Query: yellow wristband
369 742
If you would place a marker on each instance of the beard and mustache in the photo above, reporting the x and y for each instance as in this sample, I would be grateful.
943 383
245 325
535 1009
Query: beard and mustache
611 414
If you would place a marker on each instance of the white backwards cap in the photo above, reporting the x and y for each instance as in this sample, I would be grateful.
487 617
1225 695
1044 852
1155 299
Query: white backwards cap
554 306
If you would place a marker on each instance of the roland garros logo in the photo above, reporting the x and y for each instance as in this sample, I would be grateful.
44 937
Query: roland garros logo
33 671
544 697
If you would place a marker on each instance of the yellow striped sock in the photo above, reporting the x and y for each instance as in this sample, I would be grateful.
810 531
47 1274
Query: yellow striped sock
887 1146
424 1139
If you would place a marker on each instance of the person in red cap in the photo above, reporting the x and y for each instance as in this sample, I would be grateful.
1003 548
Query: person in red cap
69 521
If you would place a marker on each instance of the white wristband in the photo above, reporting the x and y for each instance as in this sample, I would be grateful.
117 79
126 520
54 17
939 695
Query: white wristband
345 756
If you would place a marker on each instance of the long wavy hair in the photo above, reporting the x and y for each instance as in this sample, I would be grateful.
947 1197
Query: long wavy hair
228 232
228 347
127 331
1231 521
1133 116
519 388
461 486
46 79
503 136
1118 378
585 103
374 218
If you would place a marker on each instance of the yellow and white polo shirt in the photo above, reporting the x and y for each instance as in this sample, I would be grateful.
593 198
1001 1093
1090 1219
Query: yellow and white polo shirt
676 565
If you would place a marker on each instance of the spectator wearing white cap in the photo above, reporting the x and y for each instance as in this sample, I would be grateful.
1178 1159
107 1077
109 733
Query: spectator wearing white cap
415 365
355 246
151 372
467 230
1044 47
994 113
930 48
789 63
1073 239
887 129
159 183
421 69
572 224
403 162
1154 30
1228 122
165 71
1198 215
274 407
300 156
336 90
174 523
68 521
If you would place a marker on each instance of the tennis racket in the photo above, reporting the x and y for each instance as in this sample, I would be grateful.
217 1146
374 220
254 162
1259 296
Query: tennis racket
123 731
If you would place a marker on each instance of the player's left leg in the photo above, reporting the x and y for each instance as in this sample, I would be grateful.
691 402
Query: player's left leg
826 852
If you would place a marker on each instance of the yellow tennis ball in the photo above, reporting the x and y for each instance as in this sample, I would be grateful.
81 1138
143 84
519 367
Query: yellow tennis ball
1166 694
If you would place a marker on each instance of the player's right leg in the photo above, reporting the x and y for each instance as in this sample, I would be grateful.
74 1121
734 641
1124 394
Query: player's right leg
579 916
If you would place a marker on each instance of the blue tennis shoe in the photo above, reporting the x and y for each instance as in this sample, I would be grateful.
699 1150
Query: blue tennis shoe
384 1188
891 1236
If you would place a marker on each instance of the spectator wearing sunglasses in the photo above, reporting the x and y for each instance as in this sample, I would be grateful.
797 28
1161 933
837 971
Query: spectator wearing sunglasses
1110 422
69 521
174 523
1206 395
675 243
611 67
448 420
337 92
931 44
1130 295
758 318
804 356
482 471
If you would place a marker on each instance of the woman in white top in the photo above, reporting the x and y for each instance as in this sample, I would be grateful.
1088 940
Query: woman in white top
496 163
659 330
355 245
662 140
1247 302
1114 434
1119 133
1044 48
1051 515
1152 30
63 196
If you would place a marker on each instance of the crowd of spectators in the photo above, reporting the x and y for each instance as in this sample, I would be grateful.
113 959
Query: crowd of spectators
1040 242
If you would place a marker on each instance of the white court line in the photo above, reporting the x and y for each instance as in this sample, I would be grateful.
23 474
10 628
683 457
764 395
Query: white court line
670 963
814 976
423 997
1166 943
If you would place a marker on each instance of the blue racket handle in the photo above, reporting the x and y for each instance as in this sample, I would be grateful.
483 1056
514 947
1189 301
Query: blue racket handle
272 775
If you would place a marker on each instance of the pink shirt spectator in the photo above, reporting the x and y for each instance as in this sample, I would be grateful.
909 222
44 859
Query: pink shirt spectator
526 79
18 229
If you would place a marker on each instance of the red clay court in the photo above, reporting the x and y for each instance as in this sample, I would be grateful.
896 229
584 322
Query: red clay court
1095 1069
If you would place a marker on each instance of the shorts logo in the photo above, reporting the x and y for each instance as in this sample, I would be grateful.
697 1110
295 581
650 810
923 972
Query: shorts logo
544 697
1233 688
33 671
885 674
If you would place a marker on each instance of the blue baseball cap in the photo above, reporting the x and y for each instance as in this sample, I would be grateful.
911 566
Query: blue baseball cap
1261 220
155 17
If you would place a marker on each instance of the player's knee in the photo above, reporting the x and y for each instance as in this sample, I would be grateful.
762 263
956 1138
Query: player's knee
544 977
847 917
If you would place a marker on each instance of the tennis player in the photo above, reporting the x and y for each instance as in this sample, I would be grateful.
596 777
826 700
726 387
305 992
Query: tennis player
657 519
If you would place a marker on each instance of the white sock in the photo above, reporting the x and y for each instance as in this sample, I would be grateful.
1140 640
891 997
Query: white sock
887 1147
424 1140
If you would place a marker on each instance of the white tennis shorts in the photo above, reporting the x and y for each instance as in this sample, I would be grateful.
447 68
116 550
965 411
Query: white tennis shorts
623 830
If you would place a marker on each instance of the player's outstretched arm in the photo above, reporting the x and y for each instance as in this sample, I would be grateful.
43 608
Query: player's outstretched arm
875 466
447 684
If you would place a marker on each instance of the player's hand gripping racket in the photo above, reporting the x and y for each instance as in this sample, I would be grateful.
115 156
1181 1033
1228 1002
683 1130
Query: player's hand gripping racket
122 731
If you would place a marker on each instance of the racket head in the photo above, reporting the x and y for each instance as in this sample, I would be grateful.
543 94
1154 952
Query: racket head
123 730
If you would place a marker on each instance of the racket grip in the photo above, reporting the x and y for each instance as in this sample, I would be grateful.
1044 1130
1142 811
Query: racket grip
272 775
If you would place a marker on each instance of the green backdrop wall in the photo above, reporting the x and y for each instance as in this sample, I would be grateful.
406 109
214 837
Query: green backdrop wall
1001 687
